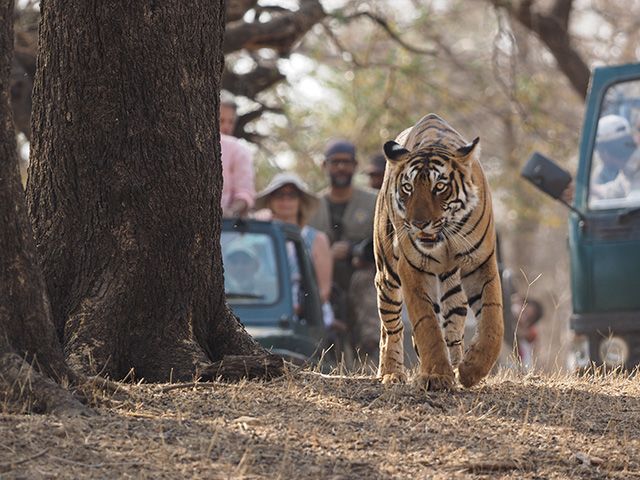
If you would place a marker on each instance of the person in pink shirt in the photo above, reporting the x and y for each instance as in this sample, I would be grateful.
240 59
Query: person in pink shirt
238 187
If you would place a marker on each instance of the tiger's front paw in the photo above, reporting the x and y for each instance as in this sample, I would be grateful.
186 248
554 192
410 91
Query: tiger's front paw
470 374
434 382
396 377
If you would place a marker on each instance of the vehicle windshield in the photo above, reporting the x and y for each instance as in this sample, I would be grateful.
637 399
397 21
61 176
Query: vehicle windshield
250 268
615 166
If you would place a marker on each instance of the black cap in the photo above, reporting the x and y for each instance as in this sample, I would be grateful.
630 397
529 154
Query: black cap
339 146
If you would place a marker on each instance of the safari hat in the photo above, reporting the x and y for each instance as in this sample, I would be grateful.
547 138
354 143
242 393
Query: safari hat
612 127
308 202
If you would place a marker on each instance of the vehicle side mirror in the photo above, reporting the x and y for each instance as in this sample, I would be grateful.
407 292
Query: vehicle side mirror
546 175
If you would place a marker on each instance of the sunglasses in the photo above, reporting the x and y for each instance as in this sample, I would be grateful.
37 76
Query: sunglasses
334 162
286 194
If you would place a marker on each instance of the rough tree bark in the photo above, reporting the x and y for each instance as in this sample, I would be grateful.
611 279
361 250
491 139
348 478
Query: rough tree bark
29 349
124 186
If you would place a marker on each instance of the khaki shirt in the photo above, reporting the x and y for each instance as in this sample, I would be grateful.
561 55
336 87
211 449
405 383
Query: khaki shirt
357 224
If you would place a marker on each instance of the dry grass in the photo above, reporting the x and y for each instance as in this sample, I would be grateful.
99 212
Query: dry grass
306 425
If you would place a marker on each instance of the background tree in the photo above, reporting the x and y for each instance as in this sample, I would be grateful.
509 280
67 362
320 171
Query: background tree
551 26
264 38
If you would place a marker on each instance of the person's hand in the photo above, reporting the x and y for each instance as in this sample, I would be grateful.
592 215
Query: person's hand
236 209
338 326
263 214
531 335
341 250
567 194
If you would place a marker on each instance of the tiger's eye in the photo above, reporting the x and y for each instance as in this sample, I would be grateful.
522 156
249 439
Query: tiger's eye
407 188
440 187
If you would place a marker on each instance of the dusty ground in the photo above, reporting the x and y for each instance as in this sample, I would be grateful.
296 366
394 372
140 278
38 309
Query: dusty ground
307 426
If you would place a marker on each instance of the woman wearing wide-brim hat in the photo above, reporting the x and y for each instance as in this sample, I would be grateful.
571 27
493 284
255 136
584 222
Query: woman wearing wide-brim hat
288 199
298 213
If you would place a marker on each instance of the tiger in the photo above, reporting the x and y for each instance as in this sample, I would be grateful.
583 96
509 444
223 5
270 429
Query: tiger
435 249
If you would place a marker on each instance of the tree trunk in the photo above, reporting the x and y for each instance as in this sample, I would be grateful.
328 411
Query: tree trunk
29 349
124 186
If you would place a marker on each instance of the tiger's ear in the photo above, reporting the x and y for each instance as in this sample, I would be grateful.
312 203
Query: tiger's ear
395 152
468 149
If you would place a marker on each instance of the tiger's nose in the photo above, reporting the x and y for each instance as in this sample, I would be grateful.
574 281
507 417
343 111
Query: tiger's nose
421 225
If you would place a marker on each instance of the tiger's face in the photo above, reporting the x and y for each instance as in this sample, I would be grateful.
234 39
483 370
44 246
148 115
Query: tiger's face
432 190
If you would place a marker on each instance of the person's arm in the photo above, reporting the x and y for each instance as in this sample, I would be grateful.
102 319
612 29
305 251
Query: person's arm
323 264
616 188
341 250
241 176
237 208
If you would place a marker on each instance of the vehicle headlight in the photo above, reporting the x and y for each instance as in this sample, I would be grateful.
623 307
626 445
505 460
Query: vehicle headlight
580 357
614 351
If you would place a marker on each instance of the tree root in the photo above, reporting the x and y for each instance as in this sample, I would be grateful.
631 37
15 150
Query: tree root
41 394
237 367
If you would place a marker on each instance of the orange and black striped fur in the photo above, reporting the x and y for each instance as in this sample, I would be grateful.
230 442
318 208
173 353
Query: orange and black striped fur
435 247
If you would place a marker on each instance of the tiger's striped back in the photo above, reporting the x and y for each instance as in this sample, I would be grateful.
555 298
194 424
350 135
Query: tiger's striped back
435 249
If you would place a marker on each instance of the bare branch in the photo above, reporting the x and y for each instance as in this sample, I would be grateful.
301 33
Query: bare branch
4 467
341 47
243 120
280 34
562 12
250 84
552 29
237 9
394 36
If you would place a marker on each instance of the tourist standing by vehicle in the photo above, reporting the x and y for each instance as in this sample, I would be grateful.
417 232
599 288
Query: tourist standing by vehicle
346 215
287 198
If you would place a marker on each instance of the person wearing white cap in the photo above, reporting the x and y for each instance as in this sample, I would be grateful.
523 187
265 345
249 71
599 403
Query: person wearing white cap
632 168
614 145
287 198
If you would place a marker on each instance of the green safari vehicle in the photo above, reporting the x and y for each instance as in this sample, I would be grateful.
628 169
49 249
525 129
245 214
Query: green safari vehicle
279 305
604 221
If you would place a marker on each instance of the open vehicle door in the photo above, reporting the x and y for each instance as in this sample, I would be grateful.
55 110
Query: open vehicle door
604 223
